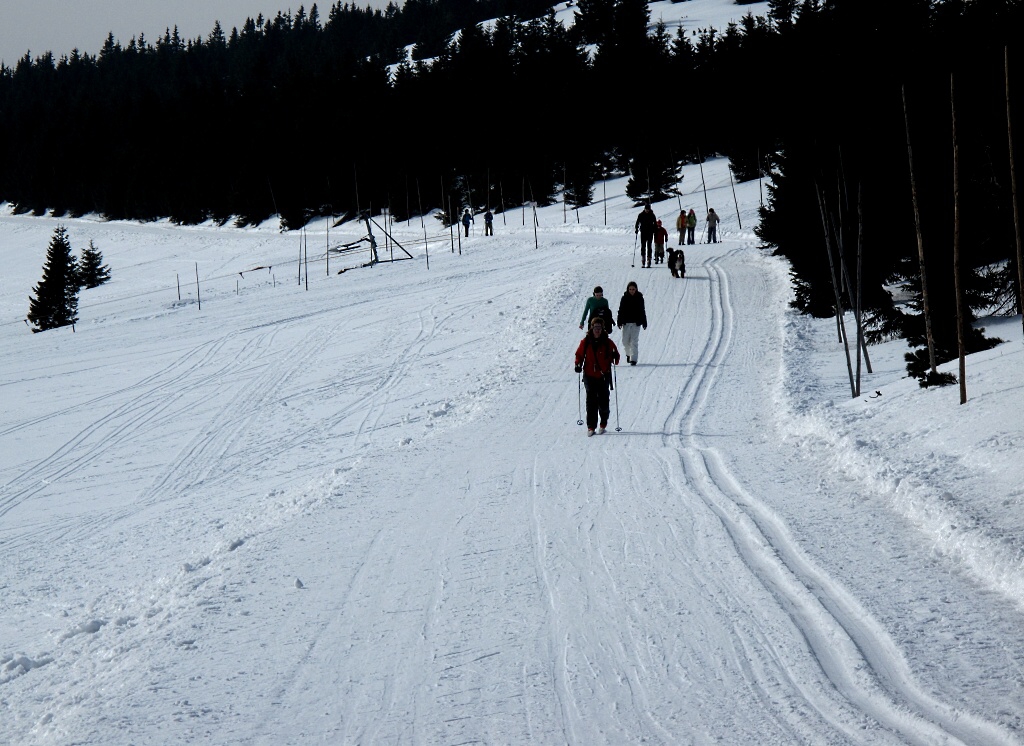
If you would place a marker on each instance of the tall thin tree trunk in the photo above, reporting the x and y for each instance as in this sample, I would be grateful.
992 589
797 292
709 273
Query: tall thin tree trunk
960 317
1013 189
926 305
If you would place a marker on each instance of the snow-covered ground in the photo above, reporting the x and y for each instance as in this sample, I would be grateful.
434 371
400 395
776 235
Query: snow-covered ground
363 512
356 508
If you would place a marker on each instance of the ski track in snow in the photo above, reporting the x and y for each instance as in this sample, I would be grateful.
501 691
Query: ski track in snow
631 587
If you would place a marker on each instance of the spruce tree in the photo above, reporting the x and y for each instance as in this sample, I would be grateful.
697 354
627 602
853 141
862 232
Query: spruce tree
55 302
91 270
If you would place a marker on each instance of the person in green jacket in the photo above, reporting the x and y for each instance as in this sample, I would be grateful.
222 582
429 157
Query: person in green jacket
691 226
597 306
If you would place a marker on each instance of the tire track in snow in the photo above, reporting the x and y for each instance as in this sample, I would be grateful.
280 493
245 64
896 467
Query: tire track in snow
853 651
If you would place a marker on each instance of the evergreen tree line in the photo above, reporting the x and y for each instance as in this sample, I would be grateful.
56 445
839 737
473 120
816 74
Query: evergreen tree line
298 118
840 142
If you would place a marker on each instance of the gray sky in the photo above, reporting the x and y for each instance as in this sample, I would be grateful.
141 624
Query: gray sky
62 25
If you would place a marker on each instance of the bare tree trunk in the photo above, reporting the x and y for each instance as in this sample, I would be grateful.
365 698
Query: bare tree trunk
926 306
956 249
1013 189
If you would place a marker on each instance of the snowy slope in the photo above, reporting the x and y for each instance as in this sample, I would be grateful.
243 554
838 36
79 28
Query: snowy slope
357 509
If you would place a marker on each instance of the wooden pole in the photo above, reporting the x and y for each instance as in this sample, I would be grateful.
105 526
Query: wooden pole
426 245
1013 189
835 288
700 162
734 200
925 303
960 317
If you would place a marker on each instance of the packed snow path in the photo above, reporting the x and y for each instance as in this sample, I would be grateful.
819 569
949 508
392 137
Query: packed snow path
364 513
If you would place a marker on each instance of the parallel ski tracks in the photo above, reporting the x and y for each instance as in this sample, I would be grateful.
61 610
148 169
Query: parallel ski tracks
853 651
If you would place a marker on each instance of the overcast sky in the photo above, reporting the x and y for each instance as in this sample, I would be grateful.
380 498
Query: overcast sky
62 25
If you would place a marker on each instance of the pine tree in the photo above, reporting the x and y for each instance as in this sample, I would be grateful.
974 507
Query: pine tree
91 270
55 302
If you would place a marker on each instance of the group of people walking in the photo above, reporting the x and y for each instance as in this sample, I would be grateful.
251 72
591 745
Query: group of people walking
596 352
654 236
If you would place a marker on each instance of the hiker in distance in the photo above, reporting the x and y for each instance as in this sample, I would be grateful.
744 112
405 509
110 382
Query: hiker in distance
645 225
681 226
488 222
713 221
631 318
597 308
466 220
594 359
691 226
660 239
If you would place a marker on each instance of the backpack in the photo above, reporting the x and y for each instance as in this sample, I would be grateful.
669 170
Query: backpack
605 314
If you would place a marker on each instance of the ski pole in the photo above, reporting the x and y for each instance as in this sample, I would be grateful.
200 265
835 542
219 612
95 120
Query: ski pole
579 399
615 382
635 236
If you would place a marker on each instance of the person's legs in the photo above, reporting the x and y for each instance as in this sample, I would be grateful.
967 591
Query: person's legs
603 402
593 386
630 332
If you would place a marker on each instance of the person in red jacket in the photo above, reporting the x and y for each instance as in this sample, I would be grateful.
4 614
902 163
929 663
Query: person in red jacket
594 359
660 239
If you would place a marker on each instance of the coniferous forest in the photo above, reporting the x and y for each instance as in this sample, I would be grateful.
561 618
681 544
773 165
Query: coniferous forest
301 116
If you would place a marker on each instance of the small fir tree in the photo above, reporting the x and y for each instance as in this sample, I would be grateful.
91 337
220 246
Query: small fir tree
92 272
55 302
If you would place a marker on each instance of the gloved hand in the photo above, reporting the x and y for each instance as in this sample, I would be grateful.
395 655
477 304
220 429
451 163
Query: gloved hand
645 327
636 232
578 369
581 326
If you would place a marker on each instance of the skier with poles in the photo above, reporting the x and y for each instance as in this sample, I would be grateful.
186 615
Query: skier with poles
594 359
713 221
646 222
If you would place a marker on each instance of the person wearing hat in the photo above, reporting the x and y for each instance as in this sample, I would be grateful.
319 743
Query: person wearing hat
597 307
594 359
660 239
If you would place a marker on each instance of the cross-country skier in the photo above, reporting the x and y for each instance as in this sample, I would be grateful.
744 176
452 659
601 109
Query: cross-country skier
646 222
713 221
594 359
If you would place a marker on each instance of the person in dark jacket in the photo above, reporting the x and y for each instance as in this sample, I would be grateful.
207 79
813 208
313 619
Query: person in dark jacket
594 359
691 226
466 220
646 223
631 318
488 222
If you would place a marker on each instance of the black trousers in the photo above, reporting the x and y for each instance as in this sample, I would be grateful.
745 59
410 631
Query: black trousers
597 401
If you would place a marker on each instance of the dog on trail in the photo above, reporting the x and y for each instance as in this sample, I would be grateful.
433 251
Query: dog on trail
677 262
